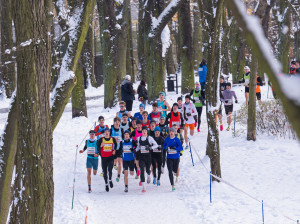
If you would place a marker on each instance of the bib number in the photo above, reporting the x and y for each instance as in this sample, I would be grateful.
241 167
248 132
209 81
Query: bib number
126 149
228 102
144 149
175 122
156 119
90 150
107 147
172 151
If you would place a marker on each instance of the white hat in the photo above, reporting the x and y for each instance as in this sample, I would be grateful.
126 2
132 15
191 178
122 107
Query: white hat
246 67
127 77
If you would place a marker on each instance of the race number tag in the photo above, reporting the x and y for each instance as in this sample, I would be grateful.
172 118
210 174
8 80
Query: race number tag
107 147
247 81
144 149
197 100
126 149
228 102
156 119
90 150
172 151
158 149
175 122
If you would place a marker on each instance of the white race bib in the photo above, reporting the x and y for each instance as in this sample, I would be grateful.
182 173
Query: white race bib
126 149
247 81
107 147
175 122
144 149
229 102
90 150
172 151
156 119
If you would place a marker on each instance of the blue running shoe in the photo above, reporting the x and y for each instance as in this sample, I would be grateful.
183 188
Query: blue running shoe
154 180
158 182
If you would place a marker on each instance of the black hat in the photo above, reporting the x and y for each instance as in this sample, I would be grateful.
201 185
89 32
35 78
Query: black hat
175 104
144 128
134 119
179 98
188 96
222 77
125 115
100 117
127 131
228 84
152 121
293 63
92 132
138 121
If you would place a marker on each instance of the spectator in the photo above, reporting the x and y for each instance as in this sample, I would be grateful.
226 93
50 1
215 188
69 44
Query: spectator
127 92
143 93
202 71
293 68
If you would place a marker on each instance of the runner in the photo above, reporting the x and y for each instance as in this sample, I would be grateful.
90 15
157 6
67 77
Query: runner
152 127
175 117
157 156
133 124
145 144
189 111
228 94
246 80
222 88
173 147
197 100
125 124
134 135
117 132
139 115
178 135
107 149
123 110
145 121
92 157
155 114
128 157
163 127
259 83
163 105
99 129
180 109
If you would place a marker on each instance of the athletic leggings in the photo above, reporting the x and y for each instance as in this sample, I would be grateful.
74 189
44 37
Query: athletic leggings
164 158
199 111
145 162
107 166
172 167
156 158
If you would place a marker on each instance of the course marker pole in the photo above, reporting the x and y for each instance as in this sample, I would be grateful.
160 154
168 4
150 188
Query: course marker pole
297 221
210 186
74 175
262 207
234 123
191 153
86 210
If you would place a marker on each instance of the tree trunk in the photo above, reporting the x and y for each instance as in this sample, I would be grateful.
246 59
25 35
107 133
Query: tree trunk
141 50
33 187
251 122
197 36
8 72
78 94
186 44
212 97
129 50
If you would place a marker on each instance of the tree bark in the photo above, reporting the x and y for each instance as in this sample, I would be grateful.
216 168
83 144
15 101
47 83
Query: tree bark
8 73
212 97
129 50
141 50
197 36
186 45
33 187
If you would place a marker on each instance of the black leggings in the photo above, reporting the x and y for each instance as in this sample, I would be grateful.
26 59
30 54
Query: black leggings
164 158
129 105
199 111
156 158
145 162
107 166
172 167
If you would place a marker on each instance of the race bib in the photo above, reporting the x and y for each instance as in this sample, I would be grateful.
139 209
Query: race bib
175 122
247 81
157 150
228 102
172 151
90 150
107 147
144 149
126 149
197 100
118 139
156 119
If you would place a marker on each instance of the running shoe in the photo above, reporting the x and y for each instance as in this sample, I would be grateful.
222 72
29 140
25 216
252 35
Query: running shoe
148 180
158 182
228 129
186 147
136 177
111 184
115 167
198 129
173 188
118 179
154 180
101 174
221 127
90 190
143 191
126 189
107 188
162 169
140 183
138 173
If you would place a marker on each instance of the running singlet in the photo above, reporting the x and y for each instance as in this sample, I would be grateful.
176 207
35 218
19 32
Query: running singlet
107 149
117 135
128 155
101 129
91 148
120 114
144 145
137 134
197 98
247 78
161 104
126 126
146 125
175 120
155 117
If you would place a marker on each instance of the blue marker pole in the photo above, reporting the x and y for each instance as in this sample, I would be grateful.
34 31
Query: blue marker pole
262 207
297 221
210 186
191 154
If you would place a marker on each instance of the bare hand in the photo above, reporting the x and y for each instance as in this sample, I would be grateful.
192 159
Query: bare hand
102 145
81 151
114 152
96 155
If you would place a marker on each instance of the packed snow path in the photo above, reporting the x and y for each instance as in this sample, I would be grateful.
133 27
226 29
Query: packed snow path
267 169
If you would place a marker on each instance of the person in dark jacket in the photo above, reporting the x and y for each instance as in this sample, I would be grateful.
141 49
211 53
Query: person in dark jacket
127 92
143 93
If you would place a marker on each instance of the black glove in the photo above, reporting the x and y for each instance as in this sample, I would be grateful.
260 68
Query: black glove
226 101
180 154
186 119
193 100
236 101
188 114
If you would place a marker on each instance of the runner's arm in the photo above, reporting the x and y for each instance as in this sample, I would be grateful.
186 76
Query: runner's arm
233 93
99 142
167 105
179 145
168 118
153 143
85 146
115 144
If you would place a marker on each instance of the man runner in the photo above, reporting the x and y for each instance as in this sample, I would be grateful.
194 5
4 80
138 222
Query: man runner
163 105
157 156
189 111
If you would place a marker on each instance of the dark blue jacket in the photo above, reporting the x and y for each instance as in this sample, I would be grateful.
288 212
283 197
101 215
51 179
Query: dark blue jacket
202 71
127 92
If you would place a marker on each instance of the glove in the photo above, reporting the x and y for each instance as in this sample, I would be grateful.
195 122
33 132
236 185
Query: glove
180 153
226 101
236 101
186 119
188 114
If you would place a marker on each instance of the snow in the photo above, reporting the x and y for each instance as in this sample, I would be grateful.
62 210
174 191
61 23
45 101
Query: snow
26 43
165 40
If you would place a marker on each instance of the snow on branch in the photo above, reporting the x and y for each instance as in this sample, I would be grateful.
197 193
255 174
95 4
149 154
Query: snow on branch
163 19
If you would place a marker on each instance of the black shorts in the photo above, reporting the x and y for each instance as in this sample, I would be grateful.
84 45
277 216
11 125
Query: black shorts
258 96
220 110
246 89
129 164
228 109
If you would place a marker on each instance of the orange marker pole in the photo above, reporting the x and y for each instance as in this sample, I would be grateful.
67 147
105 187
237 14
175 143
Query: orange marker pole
87 208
